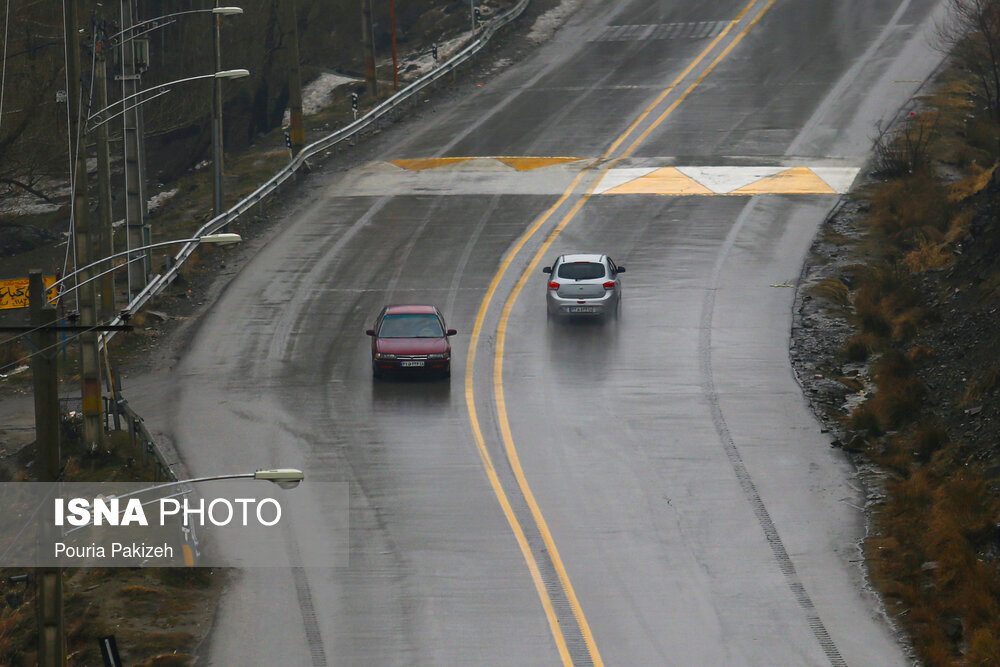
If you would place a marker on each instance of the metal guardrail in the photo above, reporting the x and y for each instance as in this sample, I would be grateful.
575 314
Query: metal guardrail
162 280
142 440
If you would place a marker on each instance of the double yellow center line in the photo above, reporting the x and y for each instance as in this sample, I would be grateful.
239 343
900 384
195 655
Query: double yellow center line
501 405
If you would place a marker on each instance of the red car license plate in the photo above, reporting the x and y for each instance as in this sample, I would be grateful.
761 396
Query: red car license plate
411 363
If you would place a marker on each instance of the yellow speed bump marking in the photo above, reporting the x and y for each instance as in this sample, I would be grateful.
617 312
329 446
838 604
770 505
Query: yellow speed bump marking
501 336
798 180
727 181
420 164
520 163
667 180
529 163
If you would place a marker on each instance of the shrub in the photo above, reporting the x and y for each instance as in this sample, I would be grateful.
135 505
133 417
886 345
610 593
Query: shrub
859 347
833 290
897 402
904 149
928 255
919 354
870 313
926 439
864 419
903 209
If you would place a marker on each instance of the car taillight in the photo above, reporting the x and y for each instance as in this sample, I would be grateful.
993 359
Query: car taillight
609 285
553 285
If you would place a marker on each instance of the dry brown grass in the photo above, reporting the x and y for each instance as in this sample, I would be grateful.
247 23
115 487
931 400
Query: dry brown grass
977 179
910 208
959 226
926 559
864 419
926 555
933 550
927 255
833 290
860 346
896 401
985 383
920 353
885 304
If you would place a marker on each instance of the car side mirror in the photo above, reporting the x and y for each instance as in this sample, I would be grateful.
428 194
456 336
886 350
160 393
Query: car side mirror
621 269
450 332
547 269
370 332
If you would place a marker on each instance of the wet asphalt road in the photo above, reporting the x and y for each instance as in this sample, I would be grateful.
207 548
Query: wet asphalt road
651 490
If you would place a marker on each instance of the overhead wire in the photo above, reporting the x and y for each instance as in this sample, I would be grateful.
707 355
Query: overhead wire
3 73
55 346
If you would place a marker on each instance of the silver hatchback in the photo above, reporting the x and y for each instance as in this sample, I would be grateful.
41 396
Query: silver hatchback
585 285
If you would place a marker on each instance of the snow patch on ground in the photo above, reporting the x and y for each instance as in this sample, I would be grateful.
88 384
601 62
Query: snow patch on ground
546 24
317 93
25 203
414 65
157 200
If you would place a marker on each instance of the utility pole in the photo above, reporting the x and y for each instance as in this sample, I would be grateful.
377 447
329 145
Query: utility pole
105 234
93 424
135 187
296 131
51 646
369 46
43 373
392 30
217 154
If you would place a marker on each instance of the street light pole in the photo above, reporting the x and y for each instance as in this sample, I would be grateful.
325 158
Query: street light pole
217 154
135 188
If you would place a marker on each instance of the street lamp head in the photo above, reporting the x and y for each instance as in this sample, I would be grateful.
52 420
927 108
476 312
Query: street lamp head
227 11
286 478
221 239
232 74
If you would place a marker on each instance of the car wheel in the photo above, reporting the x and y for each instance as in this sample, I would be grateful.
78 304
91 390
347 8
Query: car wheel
376 373
446 373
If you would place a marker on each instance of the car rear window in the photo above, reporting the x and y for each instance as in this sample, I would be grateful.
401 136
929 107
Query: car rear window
411 325
581 270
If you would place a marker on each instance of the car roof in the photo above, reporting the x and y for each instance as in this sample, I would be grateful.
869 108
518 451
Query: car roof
583 257
410 309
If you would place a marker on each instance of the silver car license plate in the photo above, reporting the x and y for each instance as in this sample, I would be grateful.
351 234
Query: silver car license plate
581 309
411 363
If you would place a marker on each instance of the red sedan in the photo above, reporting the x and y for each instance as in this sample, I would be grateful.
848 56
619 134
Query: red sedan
411 338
